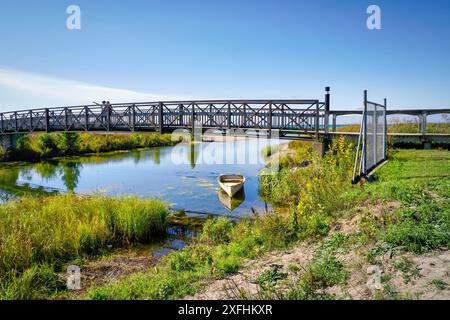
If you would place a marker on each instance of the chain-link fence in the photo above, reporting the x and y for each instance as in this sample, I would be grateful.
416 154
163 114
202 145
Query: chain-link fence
372 141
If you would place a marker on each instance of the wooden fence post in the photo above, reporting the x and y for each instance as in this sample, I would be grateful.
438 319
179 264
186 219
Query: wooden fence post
47 120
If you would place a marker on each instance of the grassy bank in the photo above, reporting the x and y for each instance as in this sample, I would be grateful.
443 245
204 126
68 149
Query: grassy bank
38 235
316 197
405 210
48 145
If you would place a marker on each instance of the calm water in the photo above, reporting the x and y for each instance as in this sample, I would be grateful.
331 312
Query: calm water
185 175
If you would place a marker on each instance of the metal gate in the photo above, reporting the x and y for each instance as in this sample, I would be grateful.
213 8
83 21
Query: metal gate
372 142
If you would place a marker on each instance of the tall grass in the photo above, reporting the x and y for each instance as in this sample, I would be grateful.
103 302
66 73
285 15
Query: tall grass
48 145
311 193
56 229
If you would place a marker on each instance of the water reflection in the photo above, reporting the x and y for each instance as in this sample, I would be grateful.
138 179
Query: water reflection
231 203
184 176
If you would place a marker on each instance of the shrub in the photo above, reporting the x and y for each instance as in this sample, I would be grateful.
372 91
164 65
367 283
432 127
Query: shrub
217 231
47 145
69 143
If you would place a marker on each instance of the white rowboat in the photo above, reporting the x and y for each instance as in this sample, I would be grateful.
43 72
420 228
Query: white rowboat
231 184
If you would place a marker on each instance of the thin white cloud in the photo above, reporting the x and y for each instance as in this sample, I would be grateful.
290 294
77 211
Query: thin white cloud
23 90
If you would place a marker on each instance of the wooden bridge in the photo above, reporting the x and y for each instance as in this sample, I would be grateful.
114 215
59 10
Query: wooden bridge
292 119
287 116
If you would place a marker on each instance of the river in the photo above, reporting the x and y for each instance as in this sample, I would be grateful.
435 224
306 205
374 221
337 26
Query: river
185 176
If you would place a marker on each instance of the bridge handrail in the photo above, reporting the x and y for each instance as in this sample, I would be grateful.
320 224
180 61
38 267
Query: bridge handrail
175 102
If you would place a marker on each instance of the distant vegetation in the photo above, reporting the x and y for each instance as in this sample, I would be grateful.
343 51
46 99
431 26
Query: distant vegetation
47 145
38 235
403 127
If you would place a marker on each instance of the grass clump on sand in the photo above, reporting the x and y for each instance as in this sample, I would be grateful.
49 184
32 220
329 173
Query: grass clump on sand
39 233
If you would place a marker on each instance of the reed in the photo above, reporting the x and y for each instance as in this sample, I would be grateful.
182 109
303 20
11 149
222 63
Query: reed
48 145
56 229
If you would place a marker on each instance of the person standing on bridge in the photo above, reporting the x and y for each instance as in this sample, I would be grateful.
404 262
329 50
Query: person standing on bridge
108 110
104 112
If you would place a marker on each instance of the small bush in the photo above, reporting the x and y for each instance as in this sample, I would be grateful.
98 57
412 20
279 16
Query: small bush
217 231
270 277
47 145
182 261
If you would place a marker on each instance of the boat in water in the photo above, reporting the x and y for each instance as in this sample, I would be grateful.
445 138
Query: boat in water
231 183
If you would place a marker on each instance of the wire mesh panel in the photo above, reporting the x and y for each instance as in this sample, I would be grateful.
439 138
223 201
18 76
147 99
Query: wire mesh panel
372 139
381 134
370 118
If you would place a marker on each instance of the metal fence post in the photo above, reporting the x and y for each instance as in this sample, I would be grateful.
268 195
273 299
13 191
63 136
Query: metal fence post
375 132
161 117
385 130
365 134
327 110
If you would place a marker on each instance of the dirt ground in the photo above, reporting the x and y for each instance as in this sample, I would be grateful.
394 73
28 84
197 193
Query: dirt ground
245 280
422 277
111 268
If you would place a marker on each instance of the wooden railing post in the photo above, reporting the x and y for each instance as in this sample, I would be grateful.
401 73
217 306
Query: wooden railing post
334 122
86 118
270 117
108 116
317 120
193 121
180 119
161 117
133 117
66 119
2 128
16 122
47 120
30 114
229 116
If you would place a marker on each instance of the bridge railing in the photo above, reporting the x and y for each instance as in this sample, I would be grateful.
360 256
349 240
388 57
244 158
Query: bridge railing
284 115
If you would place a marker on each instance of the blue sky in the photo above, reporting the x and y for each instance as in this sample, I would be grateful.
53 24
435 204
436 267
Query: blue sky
223 49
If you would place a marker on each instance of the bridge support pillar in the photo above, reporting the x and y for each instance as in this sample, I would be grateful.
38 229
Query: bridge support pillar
423 123
9 141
